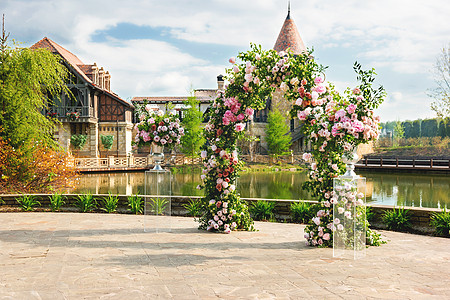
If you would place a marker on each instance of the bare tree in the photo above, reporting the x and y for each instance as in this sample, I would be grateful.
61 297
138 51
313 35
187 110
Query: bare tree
441 93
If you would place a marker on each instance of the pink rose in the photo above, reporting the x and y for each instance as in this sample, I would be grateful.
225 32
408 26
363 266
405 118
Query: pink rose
318 80
232 60
351 108
235 69
320 89
239 126
240 117
326 237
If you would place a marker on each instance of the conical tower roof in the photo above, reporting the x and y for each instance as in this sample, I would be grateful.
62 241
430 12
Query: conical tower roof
289 37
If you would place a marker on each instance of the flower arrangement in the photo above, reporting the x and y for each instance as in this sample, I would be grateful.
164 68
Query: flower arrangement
52 114
74 115
334 123
159 127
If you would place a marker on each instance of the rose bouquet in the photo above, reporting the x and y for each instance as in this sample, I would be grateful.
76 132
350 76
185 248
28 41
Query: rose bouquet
158 127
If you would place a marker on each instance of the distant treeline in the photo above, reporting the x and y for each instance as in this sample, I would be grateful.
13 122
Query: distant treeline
422 128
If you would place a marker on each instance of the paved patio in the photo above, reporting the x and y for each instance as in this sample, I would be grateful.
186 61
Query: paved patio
100 256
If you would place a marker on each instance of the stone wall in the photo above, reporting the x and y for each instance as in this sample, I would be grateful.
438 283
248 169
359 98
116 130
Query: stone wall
122 138
420 217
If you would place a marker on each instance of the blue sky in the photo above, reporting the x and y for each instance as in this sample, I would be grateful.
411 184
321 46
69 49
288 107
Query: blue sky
163 48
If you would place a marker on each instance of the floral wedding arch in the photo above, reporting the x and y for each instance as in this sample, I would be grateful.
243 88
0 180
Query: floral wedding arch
334 123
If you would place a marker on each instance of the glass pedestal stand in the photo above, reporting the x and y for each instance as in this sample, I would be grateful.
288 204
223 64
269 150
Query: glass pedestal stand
349 217
157 201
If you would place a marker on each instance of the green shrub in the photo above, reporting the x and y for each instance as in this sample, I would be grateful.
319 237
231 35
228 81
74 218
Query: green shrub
110 203
107 141
370 215
397 219
78 140
86 203
56 201
27 202
135 204
301 212
262 210
158 205
441 222
194 207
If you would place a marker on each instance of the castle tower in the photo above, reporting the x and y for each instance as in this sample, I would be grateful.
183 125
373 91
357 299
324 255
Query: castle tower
289 36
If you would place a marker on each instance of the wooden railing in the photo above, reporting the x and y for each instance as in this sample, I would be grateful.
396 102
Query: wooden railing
404 163
62 111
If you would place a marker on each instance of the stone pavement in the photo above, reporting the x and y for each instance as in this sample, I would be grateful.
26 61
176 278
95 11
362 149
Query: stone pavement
101 256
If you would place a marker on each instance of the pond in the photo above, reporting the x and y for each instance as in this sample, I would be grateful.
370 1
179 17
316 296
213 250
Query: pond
418 190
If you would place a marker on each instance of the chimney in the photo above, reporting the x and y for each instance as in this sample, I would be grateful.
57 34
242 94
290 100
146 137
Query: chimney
107 81
220 82
95 75
101 78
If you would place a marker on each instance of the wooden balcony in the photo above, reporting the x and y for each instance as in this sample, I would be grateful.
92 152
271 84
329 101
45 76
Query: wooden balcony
85 113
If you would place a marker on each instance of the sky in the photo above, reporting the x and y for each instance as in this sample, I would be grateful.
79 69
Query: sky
166 48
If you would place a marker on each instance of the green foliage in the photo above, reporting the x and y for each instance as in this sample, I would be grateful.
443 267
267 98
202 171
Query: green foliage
28 202
30 80
399 132
194 207
1 201
416 128
86 203
110 203
262 210
135 203
277 133
107 141
429 128
373 238
397 219
301 212
193 137
158 206
441 223
56 201
78 140
369 214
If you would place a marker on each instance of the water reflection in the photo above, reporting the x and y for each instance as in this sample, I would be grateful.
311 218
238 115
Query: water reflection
389 189
418 190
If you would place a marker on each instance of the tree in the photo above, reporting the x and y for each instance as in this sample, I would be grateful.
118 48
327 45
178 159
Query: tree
429 128
29 79
277 133
441 93
193 137
408 127
399 132
29 158
416 128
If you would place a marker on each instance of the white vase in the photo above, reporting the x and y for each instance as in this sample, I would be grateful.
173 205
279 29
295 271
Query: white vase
158 156
350 158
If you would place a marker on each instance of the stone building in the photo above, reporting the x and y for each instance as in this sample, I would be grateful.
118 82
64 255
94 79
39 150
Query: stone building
288 38
92 109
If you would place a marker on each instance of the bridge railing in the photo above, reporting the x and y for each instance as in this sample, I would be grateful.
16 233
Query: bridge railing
396 162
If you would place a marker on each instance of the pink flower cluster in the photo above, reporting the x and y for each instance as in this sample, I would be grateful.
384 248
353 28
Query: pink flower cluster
235 113
222 216
158 127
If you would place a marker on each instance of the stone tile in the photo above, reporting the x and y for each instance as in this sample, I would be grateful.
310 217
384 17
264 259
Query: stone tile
100 256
